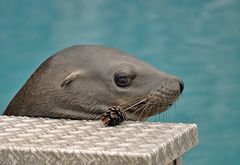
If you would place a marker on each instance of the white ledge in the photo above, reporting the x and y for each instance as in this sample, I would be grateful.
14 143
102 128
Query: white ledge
25 140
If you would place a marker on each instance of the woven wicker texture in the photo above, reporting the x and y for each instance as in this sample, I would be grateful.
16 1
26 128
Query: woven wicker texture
25 140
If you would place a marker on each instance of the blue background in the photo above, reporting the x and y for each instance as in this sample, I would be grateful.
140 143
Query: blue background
198 41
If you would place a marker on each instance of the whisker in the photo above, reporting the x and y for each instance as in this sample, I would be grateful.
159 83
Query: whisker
135 104
152 105
126 102
135 111
142 111
159 117
125 109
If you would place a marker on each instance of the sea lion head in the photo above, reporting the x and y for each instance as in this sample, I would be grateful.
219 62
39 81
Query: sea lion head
82 82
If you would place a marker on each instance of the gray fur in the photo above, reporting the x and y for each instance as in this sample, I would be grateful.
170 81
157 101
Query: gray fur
77 83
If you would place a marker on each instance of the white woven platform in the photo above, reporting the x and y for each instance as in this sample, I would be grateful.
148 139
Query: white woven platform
41 141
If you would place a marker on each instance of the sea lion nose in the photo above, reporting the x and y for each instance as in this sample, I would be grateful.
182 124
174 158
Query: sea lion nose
179 81
181 84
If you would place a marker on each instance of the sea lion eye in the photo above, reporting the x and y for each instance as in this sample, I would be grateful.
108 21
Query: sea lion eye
123 80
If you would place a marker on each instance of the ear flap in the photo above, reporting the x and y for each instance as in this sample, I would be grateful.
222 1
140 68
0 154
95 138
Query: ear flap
72 76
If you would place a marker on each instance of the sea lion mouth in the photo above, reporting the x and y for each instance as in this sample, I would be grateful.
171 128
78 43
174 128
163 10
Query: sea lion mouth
152 104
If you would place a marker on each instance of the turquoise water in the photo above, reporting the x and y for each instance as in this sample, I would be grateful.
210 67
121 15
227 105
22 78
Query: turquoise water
197 40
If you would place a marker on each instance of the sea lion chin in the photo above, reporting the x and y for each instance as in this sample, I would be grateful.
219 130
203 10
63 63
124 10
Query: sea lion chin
83 81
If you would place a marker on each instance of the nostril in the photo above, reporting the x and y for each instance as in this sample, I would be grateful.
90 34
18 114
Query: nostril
181 84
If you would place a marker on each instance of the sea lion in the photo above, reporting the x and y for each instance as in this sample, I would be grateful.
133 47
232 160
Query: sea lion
84 81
